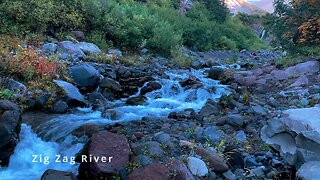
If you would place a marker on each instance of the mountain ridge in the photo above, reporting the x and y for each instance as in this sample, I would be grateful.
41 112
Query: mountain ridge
243 6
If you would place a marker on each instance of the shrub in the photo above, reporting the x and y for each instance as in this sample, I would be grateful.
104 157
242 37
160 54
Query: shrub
130 25
28 64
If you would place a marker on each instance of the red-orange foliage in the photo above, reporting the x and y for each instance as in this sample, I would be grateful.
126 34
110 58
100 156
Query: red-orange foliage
300 23
28 64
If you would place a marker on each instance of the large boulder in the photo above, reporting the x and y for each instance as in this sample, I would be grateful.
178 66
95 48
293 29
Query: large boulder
85 75
306 68
115 148
296 135
154 171
88 48
309 170
72 93
70 48
10 121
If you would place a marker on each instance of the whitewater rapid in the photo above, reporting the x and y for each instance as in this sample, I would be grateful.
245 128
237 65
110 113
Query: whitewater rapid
57 132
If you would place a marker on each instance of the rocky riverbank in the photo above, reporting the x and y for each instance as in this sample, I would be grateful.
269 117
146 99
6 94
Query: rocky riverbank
158 121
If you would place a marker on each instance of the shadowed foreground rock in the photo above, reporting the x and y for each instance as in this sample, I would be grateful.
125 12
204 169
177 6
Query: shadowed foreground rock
104 144
10 125
51 174
296 135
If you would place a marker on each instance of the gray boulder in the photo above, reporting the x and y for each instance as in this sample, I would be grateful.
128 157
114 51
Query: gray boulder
72 92
309 171
70 48
296 135
305 68
88 48
85 75
235 120
49 48
212 134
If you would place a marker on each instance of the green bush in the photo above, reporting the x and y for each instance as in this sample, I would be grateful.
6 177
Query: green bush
131 25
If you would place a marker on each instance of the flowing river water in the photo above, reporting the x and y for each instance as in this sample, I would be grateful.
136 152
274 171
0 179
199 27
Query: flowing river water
54 136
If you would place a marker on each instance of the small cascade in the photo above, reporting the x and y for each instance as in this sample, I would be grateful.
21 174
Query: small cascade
56 138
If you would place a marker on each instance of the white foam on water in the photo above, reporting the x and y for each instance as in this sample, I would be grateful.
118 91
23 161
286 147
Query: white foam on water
21 165
170 98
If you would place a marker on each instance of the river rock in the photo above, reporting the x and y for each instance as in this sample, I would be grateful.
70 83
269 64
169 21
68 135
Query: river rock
229 175
306 68
51 174
60 107
6 105
72 92
70 48
85 75
278 75
12 85
258 110
150 148
180 170
164 138
143 160
309 170
10 122
104 144
94 96
212 134
296 135
135 101
151 86
241 136
197 166
191 82
215 73
235 120
49 48
88 48
154 171
214 161
208 110
300 82
111 88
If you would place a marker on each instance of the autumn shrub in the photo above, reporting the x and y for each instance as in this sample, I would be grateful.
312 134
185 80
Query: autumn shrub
27 64
297 26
